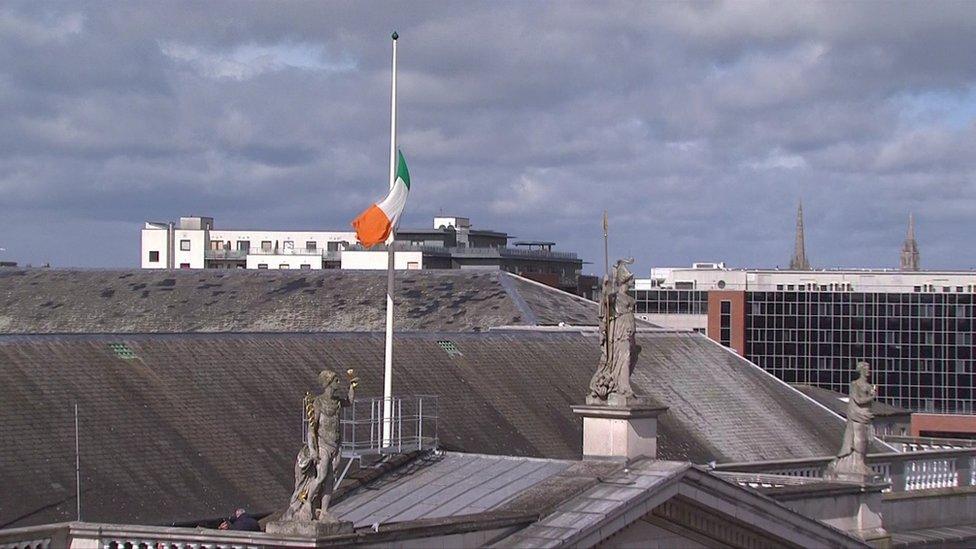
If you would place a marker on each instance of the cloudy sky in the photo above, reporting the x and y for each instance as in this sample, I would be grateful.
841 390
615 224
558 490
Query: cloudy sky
698 126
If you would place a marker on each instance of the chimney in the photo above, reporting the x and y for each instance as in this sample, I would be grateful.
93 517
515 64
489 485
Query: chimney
626 432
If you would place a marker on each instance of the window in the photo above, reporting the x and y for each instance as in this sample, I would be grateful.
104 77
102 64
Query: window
154 256
725 324
266 245
332 246
413 265
243 245
283 266
185 245
216 244
779 287
262 265
289 245
305 267
184 265
311 245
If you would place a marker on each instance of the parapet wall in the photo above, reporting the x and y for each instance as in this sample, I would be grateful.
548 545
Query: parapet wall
931 508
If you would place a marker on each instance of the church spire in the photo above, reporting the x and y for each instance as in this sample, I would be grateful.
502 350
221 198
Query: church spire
909 250
799 261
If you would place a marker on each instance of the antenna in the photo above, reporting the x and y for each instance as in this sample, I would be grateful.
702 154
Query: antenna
77 467
606 246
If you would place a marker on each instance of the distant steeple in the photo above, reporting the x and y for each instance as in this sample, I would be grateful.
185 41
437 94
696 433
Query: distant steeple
909 250
799 261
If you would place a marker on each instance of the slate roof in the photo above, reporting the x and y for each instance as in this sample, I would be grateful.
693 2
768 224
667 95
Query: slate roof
595 505
237 300
449 485
193 425
595 514
837 402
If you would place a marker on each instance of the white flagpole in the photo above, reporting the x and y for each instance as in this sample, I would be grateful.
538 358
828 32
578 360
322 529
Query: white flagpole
388 371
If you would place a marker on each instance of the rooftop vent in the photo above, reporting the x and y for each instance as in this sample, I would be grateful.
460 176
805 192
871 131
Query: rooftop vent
122 351
450 348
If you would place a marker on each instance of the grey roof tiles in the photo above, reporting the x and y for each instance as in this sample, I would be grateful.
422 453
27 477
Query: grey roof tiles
195 424
234 300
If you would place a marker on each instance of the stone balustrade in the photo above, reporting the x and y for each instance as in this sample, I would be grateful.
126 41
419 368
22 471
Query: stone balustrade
86 535
903 471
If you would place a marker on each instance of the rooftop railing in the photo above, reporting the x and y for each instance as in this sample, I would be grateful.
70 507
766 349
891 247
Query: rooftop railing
242 254
413 426
475 251
904 472
226 254
918 444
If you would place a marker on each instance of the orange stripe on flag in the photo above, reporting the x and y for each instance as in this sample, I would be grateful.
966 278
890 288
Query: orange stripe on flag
372 227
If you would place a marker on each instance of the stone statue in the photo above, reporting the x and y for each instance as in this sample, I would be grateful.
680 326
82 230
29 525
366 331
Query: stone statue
318 459
611 382
850 461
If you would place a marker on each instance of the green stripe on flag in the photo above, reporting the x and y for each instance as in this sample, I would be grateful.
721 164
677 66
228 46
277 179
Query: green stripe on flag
402 172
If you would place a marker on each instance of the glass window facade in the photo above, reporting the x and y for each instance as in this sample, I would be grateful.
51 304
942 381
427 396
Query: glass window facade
687 302
919 344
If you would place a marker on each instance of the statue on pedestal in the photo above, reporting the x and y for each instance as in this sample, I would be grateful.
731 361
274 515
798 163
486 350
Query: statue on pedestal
316 464
850 462
610 384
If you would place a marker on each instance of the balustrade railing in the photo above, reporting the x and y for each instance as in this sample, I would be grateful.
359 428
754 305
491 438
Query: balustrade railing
904 472
132 536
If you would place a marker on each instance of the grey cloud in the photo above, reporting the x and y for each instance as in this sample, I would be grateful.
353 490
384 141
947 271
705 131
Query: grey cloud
697 125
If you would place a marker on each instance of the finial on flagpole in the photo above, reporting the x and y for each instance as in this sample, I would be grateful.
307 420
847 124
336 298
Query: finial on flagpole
395 35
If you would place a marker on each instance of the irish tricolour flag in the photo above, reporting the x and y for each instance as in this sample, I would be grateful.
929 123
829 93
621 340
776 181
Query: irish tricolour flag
374 225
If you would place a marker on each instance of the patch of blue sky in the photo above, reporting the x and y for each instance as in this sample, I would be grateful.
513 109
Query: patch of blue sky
250 60
296 55
955 110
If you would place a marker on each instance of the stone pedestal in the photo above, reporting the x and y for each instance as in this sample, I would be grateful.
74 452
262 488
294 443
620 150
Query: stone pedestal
627 431
309 529
850 468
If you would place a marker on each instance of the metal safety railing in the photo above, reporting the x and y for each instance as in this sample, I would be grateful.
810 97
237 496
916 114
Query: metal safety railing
412 426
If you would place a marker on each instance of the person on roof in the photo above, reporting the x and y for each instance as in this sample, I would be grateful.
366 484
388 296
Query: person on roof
240 520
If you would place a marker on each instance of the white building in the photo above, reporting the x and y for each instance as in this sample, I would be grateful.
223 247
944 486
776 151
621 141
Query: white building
451 243
196 244
716 276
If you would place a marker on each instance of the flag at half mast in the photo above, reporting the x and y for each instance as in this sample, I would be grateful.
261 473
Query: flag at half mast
374 225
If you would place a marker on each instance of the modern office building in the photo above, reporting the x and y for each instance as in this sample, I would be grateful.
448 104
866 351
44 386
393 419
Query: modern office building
811 326
451 243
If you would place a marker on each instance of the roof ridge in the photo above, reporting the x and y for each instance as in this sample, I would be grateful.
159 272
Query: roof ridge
508 284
